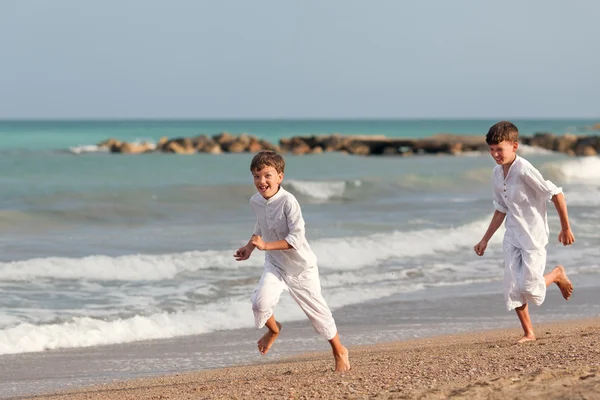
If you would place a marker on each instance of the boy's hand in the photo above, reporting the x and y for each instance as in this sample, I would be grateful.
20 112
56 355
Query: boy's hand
480 247
566 237
258 242
243 253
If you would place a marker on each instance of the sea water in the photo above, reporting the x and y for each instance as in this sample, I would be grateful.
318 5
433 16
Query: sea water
99 248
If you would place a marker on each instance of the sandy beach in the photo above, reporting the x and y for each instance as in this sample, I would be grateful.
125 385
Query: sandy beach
564 363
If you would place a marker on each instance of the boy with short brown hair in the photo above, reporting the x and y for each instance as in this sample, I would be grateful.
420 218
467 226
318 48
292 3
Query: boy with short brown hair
290 264
520 196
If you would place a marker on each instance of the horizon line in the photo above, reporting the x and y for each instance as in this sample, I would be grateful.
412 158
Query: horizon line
245 119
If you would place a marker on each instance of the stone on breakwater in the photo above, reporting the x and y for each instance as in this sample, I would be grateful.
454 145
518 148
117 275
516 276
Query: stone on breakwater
568 143
356 145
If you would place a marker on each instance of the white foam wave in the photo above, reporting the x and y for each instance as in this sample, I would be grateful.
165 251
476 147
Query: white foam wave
226 315
473 153
579 170
89 148
85 331
321 190
584 269
334 253
356 252
589 197
233 313
93 148
525 149
123 268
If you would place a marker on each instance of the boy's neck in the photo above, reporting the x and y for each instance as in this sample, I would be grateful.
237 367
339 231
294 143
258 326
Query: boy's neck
506 167
274 194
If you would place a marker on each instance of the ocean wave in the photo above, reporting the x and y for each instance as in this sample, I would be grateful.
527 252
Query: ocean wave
226 314
334 253
322 190
525 149
230 313
90 148
578 170
86 331
93 148
137 267
357 252
587 196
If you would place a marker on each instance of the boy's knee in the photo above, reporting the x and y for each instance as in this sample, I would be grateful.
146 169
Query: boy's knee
260 304
534 293
255 305
262 312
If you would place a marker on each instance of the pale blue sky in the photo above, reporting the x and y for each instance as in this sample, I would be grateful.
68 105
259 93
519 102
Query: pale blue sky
299 59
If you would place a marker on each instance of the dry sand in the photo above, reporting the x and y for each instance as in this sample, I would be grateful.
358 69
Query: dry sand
564 363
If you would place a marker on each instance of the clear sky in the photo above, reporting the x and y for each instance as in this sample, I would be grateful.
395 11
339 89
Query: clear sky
299 59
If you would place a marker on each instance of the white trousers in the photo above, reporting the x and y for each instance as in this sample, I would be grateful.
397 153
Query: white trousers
523 276
305 289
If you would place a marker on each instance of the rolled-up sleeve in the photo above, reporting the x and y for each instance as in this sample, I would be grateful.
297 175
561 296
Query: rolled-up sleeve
500 207
534 179
295 224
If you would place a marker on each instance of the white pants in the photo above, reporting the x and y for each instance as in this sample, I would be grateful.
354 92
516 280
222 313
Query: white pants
523 276
305 289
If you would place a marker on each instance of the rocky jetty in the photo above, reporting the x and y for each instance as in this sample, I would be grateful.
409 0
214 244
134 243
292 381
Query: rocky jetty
574 145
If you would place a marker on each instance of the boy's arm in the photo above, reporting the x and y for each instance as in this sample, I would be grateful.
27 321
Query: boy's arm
495 223
244 252
499 201
295 236
534 179
565 236
497 219
295 222
260 244
256 234
256 231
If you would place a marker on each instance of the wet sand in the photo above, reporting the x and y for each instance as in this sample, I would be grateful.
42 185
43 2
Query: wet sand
564 363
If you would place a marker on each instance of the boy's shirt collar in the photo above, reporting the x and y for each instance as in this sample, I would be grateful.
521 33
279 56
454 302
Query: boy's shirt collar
515 161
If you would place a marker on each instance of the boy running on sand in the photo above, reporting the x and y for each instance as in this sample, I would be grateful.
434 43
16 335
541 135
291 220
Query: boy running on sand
520 195
290 264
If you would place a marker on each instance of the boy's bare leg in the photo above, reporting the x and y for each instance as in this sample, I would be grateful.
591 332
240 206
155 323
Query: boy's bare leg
340 353
559 276
267 340
523 314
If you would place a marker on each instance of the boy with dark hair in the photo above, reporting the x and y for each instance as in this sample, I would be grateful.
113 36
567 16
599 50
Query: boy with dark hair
290 264
520 196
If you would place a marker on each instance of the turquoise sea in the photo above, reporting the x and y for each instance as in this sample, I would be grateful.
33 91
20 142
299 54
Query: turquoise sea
64 134
106 249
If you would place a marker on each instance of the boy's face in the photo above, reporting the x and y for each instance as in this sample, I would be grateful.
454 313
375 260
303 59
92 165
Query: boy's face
504 152
267 181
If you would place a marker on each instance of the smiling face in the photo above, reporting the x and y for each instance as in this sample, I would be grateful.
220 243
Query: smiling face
267 181
504 153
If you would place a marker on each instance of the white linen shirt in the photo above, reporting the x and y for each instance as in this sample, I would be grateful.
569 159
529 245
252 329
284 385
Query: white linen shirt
280 218
523 196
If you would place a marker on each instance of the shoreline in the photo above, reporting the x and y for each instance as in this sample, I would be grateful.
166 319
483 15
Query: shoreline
564 361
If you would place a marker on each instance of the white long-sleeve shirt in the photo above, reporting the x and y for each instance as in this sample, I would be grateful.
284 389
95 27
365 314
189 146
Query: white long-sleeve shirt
280 218
523 196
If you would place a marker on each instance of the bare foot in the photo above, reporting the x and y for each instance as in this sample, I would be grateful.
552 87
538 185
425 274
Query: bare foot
525 338
342 363
267 340
563 282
